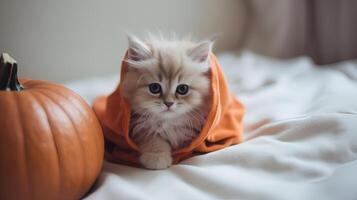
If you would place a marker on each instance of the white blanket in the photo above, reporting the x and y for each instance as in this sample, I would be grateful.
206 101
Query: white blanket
301 138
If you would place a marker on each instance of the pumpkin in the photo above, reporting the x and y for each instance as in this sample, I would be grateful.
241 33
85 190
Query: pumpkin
51 143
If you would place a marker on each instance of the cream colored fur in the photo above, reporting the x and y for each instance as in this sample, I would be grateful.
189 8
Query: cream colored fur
155 127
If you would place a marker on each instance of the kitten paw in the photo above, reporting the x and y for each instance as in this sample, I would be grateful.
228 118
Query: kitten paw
160 160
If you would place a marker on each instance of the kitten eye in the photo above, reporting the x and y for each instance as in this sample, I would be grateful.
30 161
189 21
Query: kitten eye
155 88
182 89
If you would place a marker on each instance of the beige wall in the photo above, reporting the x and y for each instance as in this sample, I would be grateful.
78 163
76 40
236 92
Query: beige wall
72 39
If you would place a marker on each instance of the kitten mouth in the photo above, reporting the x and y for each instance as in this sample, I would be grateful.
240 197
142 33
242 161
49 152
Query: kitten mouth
168 110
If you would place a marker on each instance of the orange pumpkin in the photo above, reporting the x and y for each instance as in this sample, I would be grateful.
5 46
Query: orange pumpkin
51 143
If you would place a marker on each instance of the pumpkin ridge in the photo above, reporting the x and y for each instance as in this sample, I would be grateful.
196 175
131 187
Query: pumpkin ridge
49 88
44 108
18 109
83 179
40 84
75 104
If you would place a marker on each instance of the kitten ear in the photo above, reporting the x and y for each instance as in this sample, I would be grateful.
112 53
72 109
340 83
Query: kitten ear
138 50
201 51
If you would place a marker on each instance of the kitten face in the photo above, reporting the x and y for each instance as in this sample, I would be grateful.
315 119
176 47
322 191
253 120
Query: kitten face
166 79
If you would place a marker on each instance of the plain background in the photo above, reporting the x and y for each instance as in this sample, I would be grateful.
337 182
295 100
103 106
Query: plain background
73 39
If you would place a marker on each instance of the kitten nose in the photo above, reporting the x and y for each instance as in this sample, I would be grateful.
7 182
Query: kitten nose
168 104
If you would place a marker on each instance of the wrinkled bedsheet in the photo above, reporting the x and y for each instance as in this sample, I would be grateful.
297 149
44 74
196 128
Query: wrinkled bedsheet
301 138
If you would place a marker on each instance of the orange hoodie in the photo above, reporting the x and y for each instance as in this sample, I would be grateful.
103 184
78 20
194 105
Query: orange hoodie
222 128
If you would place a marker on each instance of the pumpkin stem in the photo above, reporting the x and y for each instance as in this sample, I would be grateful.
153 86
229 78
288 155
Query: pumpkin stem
8 74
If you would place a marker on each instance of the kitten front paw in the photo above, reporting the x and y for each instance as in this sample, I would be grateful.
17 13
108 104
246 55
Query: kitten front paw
160 160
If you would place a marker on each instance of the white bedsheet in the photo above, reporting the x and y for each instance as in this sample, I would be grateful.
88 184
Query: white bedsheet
301 138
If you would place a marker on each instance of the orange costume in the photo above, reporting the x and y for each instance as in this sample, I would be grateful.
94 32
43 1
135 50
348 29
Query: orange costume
222 128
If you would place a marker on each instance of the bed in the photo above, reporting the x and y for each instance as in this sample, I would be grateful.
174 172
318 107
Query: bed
300 129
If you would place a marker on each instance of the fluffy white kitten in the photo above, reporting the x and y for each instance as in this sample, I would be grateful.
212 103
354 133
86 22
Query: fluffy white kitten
167 85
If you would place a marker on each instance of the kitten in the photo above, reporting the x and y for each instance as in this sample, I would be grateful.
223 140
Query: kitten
167 84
